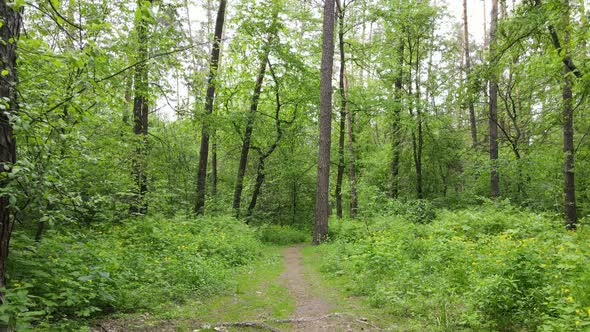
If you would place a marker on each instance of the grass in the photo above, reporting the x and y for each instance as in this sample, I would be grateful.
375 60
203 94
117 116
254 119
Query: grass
255 295
336 291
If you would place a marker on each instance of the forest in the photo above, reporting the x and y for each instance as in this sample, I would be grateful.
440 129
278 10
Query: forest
294 165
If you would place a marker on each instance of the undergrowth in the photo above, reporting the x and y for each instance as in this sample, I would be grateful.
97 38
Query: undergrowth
493 267
281 235
137 264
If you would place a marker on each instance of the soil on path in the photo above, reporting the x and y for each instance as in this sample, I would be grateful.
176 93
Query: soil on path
312 313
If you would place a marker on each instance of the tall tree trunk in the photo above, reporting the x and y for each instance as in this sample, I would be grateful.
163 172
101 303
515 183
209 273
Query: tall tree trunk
127 104
9 34
418 142
411 101
320 229
140 114
209 101
214 167
470 106
247 137
351 162
396 125
493 115
260 176
260 173
343 106
486 39
250 123
569 188
341 163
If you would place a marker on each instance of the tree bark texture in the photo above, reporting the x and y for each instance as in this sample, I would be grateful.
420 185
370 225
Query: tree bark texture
470 106
209 101
353 206
418 137
493 111
396 123
214 167
569 188
140 116
320 229
568 151
9 34
343 106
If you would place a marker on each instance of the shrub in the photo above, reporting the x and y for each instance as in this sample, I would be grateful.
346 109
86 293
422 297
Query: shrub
493 267
418 211
346 230
281 235
129 266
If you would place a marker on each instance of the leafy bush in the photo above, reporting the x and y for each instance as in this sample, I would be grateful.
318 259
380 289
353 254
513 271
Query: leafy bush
488 268
125 267
281 235
418 211
346 230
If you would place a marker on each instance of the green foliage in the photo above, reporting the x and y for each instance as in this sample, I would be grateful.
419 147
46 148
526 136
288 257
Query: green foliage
495 267
346 230
417 211
281 235
139 264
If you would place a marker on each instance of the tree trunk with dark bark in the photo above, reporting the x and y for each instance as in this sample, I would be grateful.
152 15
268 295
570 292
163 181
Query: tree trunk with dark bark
260 176
470 106
342 122
260 173
396 125
209 101
493 113
320 229
569 187
353 207
250 120
9 34
418 138
214 167
140 116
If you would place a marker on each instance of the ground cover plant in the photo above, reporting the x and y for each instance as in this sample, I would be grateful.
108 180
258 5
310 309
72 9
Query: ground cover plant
138 264
493 267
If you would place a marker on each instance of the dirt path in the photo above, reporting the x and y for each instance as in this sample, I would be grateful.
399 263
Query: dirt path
307 305
312 313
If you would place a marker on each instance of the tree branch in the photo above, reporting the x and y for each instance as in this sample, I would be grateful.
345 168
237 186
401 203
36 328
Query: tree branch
63 18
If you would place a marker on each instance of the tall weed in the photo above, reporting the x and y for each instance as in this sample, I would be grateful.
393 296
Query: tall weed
493 267
138 264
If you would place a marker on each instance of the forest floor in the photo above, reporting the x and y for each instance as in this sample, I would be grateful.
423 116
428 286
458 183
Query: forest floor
284 293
